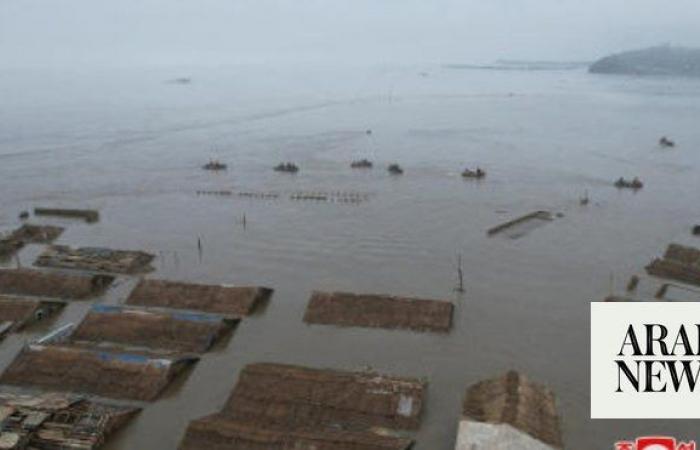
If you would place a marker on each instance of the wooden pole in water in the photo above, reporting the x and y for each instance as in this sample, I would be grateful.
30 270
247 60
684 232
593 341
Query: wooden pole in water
460 274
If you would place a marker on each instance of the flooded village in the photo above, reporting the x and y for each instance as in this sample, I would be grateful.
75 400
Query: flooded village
135 335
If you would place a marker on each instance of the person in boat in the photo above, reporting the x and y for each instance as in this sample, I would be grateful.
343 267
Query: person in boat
287 167
395 169
666 142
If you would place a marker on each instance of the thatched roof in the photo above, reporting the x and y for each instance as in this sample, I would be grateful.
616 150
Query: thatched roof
134 376
96 259
158 330
27 234
379 311
23 311
219 433
514 400
51 284
679 263
51 421
291 397
37 234
229 300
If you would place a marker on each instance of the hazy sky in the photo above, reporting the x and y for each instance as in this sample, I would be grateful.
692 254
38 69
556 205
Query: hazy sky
137 32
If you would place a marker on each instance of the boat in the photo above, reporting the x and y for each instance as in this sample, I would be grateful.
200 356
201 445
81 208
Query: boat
287 167
395 169
478 173
666 142
214 165
635 183
362 164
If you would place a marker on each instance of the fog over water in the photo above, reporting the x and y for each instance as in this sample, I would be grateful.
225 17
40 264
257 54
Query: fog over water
86 32
89 117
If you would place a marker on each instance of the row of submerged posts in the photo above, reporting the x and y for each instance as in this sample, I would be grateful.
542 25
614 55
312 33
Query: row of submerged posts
126 355
352 197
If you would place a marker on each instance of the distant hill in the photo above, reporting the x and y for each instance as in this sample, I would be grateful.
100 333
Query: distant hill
664 60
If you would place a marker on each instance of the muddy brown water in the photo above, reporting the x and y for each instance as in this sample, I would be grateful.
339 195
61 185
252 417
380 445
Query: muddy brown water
131 146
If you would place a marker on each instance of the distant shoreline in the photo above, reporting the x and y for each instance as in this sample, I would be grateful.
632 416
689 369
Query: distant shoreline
663 60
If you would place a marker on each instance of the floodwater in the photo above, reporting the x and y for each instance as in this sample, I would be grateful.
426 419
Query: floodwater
130 144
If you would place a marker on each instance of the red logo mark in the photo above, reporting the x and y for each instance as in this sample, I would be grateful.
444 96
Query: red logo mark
655 443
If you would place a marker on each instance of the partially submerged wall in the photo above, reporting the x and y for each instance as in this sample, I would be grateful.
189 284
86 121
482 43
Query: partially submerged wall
88 215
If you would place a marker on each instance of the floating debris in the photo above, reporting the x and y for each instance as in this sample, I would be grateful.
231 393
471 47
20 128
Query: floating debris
696 230
24 215
215 165
59 421
16 313
522 225
52 284
178 331
88 215
477 174
227 300
28 234
220 433
97 259
635 183
666 142
507 413
362 164
112 374
287 167
379 311
395 169
679 263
